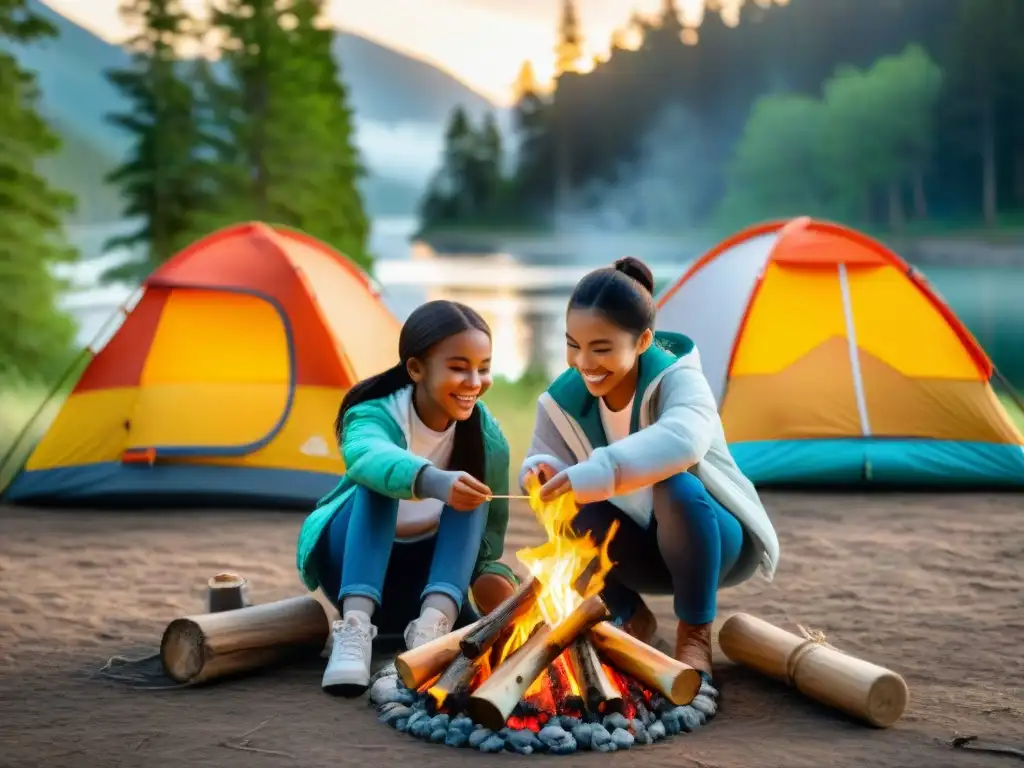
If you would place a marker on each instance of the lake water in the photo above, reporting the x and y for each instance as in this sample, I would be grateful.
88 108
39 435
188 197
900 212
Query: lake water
523 292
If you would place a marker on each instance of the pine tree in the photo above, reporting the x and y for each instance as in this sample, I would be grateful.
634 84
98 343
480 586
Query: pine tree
162 178
488 175
286 137
569 49
533 168
35 338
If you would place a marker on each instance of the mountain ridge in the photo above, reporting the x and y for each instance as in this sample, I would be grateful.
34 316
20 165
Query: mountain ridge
387 88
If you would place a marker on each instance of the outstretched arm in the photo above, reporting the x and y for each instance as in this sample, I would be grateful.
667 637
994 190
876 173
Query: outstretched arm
548 452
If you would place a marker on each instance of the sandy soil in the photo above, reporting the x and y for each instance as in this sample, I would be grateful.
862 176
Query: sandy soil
930 586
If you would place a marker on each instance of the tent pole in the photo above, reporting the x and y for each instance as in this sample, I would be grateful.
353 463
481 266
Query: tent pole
1010 389
61 381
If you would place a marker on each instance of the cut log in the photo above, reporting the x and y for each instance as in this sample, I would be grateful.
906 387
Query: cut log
866 691
452 685
422 664
600 695
197 649
226 592
677 682
490 627
493 702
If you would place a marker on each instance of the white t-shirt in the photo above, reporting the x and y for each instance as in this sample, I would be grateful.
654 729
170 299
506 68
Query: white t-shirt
417 518
616 427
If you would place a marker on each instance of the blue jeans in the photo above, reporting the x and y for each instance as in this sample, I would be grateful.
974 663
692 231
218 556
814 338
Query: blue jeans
692 543
357 555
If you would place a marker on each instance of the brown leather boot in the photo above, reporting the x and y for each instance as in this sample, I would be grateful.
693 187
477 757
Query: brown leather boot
642 624
693 645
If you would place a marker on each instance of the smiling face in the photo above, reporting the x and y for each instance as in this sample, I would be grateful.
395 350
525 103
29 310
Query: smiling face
455 373
605 355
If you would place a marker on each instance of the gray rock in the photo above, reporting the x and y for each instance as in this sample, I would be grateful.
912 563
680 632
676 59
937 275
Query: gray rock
462 723
416 716
670 720
657 730
402 724
456 737
479 736
690 718
615 720
420 728
583 733
396 713
622 738
707 690
438 736
439 721
643 737
599 737
636 725
568 722
558 740
386 689
705 704
388 670
523 741
493 743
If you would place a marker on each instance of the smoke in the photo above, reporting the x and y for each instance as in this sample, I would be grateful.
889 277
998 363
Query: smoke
659 192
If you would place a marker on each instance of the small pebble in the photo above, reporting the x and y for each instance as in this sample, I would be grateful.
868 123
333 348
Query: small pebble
438 736
402 724
385 690
420 728
615 720
568 722
622 738
583 734
643 737
493 743
479 736
705 704
657 730
706 689
439 721
659 703
462 723
456 737
636 725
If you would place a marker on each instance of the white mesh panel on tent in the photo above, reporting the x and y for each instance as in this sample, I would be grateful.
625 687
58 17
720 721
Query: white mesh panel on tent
709 306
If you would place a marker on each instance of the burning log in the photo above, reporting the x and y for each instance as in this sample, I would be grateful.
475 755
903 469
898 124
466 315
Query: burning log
490 627
426 662
677 682
453 684
493 702
600 695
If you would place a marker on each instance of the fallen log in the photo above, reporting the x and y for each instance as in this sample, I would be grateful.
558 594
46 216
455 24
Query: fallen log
677 682
453 684
600 695
493 702
197 649
866 691
419 665
489 628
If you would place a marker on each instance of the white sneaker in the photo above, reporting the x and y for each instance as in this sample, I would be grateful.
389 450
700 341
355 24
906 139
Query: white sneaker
431 625
348 671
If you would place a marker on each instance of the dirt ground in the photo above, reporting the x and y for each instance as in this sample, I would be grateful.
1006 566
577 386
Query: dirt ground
930 586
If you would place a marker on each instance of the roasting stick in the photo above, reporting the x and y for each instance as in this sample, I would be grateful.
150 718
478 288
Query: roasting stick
507 496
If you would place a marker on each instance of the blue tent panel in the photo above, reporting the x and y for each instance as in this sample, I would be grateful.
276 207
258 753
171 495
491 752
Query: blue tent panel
163 485
881 462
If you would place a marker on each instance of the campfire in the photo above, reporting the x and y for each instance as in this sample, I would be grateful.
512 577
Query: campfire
546 670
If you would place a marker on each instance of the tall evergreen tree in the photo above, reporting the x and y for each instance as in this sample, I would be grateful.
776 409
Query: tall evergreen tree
35 337
569 48
286 140
450 195
162 178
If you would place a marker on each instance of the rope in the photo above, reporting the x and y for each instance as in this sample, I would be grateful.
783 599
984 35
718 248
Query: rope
137 676
813 639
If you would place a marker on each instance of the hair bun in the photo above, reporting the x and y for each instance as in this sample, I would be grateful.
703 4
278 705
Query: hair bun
636 269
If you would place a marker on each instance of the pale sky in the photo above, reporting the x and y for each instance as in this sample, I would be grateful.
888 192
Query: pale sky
482 42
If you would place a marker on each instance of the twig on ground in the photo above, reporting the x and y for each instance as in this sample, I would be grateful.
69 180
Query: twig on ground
969 743
145 740
242 743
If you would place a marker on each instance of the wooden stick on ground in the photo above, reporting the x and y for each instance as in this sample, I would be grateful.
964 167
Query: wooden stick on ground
677 682
197 649
453 684
419 665
490 627
493 702
600 695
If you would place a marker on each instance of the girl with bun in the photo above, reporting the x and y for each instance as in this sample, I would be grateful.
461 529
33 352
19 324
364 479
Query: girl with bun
633 431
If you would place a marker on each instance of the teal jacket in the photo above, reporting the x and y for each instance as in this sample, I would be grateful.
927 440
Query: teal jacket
376 457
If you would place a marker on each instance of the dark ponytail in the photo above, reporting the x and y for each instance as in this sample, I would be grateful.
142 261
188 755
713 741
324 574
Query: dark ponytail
623 293
427 326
